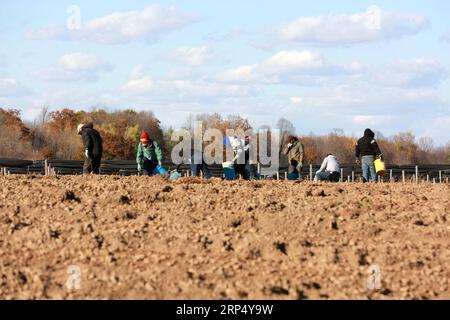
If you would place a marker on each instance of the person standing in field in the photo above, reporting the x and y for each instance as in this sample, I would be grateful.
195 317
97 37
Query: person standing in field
250 162
294 151
93 148
329 170
367 149
198 163
239 148
149 155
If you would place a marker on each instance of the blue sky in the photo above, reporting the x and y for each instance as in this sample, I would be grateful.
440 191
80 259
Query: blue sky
322 65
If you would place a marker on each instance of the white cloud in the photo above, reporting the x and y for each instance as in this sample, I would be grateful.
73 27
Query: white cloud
76 66
193 56
182 86
372 25
288 66
142 86
371 120
80 62
446 37
139 71
418 72
121 27
10 87
296 100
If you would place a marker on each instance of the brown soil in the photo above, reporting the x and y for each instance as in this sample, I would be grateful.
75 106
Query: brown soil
148 238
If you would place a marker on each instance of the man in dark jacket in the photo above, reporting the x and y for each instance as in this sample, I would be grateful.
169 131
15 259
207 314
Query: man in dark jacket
93 148
367 148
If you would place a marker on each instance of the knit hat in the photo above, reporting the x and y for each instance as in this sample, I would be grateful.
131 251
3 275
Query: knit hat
145 137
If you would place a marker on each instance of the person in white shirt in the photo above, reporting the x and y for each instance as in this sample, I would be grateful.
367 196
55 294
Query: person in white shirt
239 149
329 170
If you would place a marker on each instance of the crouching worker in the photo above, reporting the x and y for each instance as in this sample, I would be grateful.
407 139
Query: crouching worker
149 156
93 148
329 170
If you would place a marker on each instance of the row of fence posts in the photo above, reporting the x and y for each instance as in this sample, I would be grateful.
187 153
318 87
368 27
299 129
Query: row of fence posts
49 170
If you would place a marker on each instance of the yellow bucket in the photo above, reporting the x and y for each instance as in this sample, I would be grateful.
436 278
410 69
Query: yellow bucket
380 167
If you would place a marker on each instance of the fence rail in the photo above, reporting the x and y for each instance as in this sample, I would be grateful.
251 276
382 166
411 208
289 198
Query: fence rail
349 172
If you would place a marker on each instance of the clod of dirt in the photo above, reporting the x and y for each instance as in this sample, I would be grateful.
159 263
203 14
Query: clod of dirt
312 285
281 246
301 295
362 258
21 225
70 196
334 225
167 189
205 242
386 292
124 200
99 239
306 244
55 234
308 193
22 278
130 215
228 246
320 193
236 223
279 290
420 223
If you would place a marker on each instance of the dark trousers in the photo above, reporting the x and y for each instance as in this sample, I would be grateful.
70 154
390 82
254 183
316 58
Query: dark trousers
92 164
203 167
252 171
241 169
149 166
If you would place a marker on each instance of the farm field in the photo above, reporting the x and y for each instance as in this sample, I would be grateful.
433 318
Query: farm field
150 238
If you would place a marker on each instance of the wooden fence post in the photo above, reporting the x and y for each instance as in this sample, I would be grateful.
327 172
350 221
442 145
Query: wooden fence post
390 175
440 176
403 176
310 173
342 175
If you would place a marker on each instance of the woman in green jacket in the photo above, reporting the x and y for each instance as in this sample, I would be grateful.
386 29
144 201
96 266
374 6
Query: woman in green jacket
149 155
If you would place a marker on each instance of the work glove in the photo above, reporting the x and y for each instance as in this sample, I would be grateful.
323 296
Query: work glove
86 153
139 168
358 162
160 163
381 157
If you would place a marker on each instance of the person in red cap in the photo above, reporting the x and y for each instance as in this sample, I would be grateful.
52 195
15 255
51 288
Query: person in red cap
149 155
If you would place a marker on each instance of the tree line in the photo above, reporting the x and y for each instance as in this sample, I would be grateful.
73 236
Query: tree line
52 135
